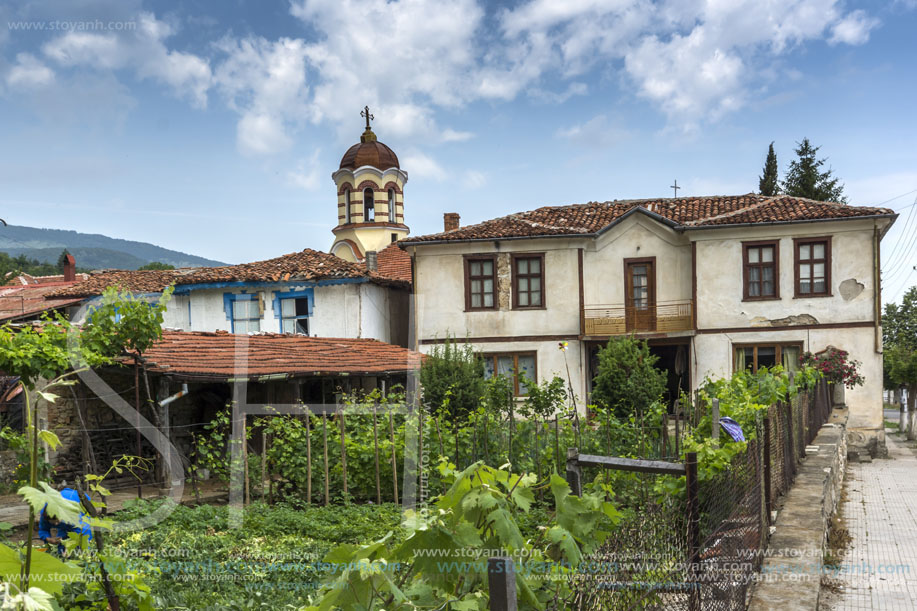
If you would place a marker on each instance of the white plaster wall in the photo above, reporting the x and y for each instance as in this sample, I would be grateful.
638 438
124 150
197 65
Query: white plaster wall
549 361
712 356
440 292
176 314
375 312
340 310
720 276
637 237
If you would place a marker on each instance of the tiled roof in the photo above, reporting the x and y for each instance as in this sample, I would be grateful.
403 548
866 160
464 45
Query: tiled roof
27 301
213 355
308 265
395 262
682 212
24 279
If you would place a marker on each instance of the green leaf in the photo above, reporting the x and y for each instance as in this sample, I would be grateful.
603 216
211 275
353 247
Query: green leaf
52 502
47 572
49 438
50 397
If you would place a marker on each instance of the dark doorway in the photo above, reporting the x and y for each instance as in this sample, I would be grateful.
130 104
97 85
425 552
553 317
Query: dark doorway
673 359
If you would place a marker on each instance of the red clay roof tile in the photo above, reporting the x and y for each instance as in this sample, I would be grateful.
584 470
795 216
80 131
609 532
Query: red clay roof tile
683 212
308 265
213 355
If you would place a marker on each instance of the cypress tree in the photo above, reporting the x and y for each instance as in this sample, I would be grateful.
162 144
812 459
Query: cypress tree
767 182
806 179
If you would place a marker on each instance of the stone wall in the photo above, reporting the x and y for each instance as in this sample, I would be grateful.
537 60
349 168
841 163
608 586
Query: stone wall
791 572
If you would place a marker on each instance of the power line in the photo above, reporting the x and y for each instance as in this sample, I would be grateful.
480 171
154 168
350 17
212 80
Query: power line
894 260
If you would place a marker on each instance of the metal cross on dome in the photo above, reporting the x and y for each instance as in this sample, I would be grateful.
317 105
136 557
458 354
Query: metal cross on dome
675 188
365 113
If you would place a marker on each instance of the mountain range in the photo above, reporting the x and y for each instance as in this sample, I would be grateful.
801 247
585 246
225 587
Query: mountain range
91 250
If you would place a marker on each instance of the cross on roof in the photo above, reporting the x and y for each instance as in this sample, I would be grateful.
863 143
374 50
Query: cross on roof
675 188
365 113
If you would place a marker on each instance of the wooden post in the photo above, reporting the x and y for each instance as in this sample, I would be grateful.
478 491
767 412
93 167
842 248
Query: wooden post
574 472
665 435
137 407
501 583
391 433
439 436
537 453
512 426
114 603
376 455
248 494
693 517
767 468
264 476
343 451
486 440
677 435
715 421
325 443
308 456
556 441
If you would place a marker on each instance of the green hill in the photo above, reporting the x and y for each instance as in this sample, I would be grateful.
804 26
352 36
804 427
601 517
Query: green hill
91 251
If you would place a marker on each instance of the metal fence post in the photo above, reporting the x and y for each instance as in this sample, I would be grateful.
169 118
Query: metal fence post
574 472
694 543
501 582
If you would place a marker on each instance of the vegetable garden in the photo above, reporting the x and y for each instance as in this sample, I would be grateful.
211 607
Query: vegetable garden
326 525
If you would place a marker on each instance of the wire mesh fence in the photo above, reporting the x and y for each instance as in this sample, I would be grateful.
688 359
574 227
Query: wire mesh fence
700 550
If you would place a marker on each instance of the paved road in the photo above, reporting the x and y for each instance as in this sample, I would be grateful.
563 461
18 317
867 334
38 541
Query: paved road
880 567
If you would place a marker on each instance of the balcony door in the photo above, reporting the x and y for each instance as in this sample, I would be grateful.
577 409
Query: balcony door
640 294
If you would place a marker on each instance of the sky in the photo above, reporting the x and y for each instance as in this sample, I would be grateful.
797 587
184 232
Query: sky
213 127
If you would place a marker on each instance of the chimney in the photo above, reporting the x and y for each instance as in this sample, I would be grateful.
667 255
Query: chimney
69 268
372 260
451 221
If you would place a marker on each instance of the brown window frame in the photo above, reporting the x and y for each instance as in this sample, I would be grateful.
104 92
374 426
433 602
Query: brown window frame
468 259
746 266
516 276
778 354
797 242
515 355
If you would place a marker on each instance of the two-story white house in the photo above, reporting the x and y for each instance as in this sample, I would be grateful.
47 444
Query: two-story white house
712 283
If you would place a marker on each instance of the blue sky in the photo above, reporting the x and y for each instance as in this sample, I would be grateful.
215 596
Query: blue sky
213 127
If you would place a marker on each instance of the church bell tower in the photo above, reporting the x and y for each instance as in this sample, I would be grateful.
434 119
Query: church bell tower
370 198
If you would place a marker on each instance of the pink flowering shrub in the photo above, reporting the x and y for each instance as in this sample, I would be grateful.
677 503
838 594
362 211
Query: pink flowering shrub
836 366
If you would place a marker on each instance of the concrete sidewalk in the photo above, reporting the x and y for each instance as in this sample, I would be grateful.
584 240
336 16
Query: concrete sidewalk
879 570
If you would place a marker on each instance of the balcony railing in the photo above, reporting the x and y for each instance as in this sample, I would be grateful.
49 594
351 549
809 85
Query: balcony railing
664 317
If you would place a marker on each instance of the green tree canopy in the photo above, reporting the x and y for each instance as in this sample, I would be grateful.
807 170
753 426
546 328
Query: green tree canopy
767 182
453 376
805 177
899 330
626 381
156 265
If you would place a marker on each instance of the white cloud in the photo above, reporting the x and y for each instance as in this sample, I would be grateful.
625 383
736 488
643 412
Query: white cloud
142 50
29 73
423 166
695 60
265 82
451 135
853 29
423 57
474 179
596 132
307 173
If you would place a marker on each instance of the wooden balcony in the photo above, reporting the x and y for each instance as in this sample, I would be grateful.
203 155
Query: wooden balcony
664 317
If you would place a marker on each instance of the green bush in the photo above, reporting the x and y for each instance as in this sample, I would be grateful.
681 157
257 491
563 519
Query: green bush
627 382
452 377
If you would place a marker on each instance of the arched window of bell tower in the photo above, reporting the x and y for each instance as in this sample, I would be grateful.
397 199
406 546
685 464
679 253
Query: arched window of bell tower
347 206
391 205
369 206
